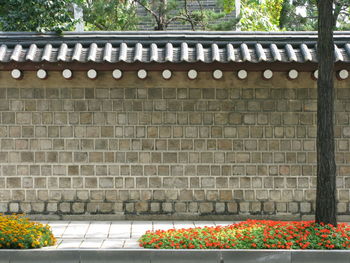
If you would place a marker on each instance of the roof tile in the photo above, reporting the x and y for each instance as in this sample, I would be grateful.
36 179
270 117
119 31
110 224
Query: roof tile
173 47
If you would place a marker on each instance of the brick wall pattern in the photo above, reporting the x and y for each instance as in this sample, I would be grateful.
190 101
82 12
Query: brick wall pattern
185 148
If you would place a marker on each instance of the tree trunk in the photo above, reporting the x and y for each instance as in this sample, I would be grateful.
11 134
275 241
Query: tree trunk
163 15
326 167
286 6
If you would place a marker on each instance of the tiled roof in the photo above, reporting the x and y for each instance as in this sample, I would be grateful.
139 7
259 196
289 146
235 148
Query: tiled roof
145 47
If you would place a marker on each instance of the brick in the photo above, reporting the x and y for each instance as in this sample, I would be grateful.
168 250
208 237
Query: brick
167 207
305 207
268 207
141 206
205 208
64 207
186 195
14 207
13 182
155 207
180 207
212 195
225 195
52 207
232 207
38 207
106 182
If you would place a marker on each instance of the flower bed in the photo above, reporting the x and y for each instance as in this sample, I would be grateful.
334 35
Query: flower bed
252 234
18 232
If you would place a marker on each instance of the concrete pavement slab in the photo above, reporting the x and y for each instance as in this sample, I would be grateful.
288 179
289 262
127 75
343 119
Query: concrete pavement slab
98 230
76 230
138 228
91 243
120 230
70 244
112 244
58 230
132 243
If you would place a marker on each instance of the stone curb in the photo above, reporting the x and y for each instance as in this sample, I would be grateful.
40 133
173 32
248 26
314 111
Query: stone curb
173 256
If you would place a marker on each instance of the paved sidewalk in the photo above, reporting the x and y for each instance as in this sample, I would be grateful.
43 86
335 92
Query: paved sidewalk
112 234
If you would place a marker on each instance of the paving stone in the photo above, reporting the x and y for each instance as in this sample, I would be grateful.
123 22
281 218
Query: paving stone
131 243
76 230
58 230
58 242
70 243
112 243
138 228
98 230
91 243
120 230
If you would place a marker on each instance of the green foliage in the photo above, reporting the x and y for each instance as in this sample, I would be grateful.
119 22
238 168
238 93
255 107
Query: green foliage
228 5
225 25
109 15
260 15
342 11
273 15
206 19
36 15
291 20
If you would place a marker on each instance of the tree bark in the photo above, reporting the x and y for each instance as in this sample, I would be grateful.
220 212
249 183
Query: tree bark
326 167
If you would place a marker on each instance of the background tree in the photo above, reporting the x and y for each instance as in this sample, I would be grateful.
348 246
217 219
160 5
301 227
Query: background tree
326 167
257 15
165 12
276 15
302 15
36 15
260 15
109 15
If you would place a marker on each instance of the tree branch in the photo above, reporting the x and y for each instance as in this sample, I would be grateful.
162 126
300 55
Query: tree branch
148 9
189 19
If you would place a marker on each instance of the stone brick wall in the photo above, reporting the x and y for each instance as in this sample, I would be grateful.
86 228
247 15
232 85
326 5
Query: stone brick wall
155 148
